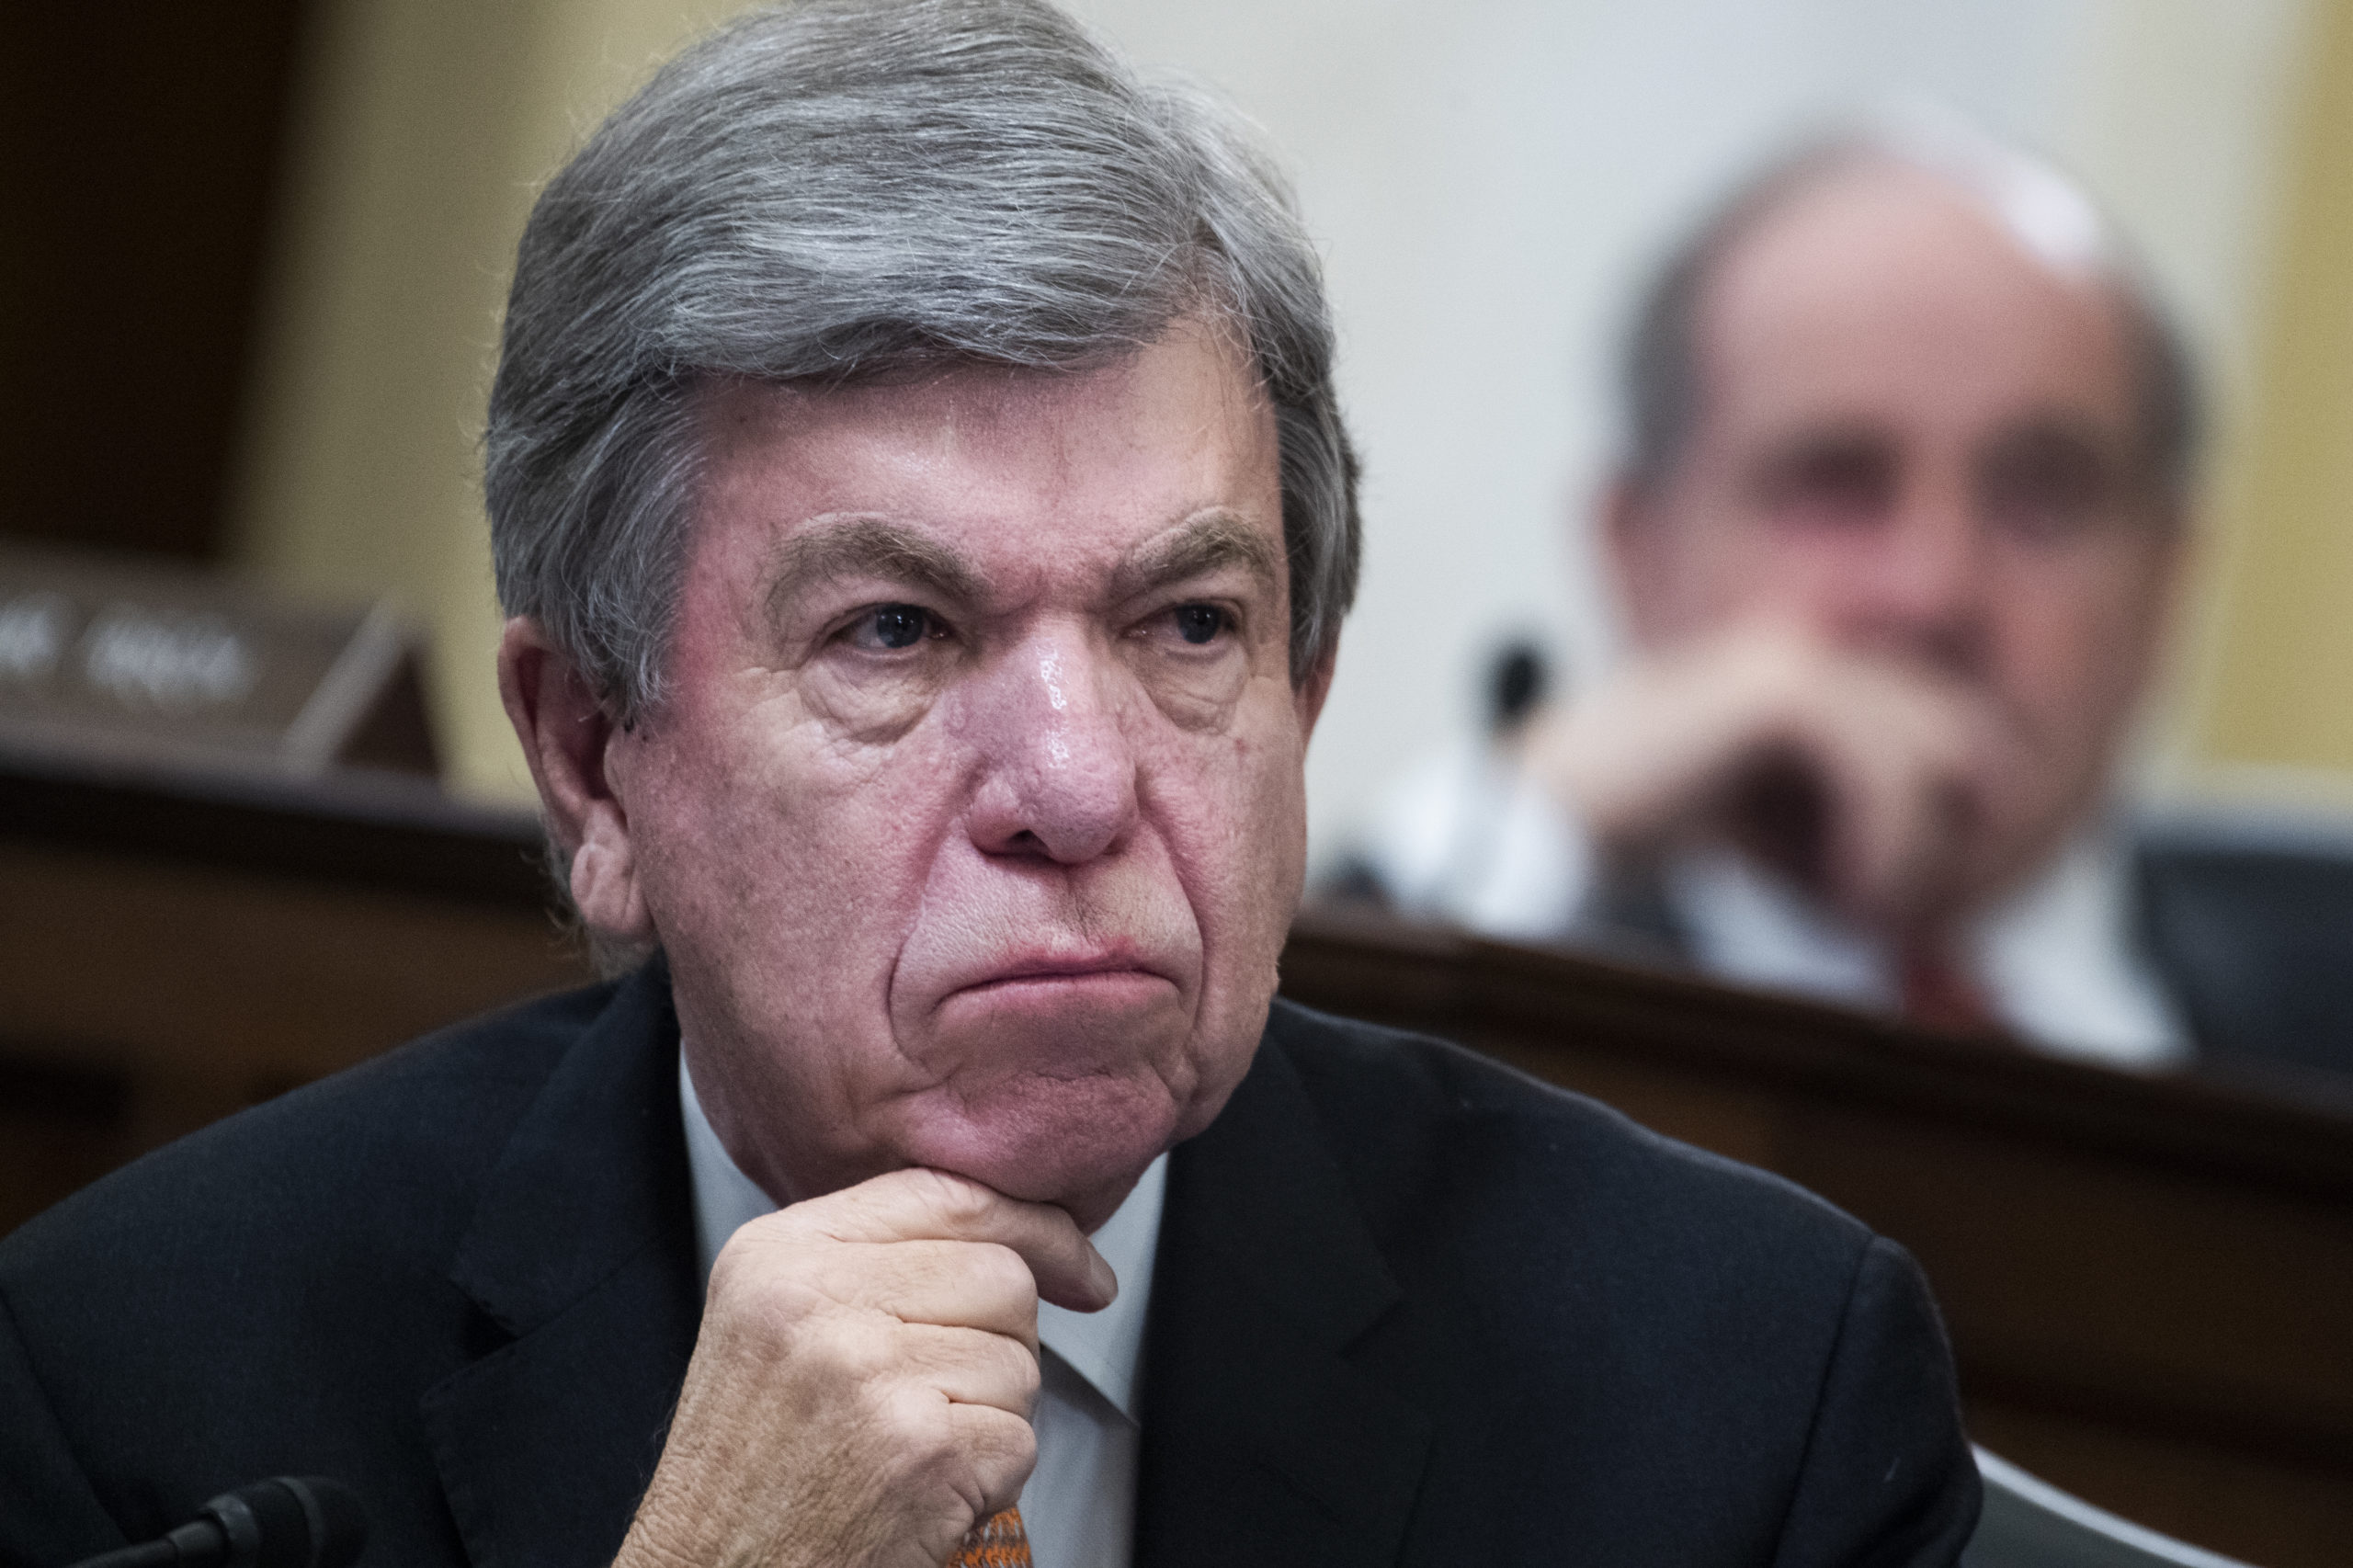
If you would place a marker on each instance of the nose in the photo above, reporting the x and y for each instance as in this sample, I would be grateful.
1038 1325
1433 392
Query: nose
1058 770
1924 591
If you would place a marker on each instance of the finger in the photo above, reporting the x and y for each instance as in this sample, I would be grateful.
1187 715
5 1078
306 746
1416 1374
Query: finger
983 1456
1893 747
1867 839
1001 1450
1920 866
928 1205
952 1284
1944 782
970 1365
1892 833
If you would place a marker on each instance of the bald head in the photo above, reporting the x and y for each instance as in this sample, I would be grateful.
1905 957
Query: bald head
1874 208
1885 281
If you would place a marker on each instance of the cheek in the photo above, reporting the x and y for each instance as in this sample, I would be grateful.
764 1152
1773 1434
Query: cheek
1240 799
788 869
1234 810
2074 635
1728 568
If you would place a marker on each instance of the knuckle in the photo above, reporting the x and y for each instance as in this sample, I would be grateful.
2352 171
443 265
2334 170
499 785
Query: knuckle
916 1418
861 1347
1012 1454
1008 1360
832 1348
1000 1446
1019 1445
758 1302
1025 1373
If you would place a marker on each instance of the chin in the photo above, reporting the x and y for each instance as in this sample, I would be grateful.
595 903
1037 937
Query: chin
1079 1144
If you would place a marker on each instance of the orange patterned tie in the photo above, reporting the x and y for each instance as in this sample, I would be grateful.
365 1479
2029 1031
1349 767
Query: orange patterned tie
997 1541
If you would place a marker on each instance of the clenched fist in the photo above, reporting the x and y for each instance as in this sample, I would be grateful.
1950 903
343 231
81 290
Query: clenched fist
861 1389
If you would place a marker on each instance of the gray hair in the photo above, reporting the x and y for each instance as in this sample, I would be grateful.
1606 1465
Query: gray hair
2045 209
840 190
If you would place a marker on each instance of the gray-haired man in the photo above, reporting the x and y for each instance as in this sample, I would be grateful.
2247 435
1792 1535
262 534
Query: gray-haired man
916 484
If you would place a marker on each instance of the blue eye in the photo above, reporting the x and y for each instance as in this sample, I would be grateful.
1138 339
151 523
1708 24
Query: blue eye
899 625
1199 623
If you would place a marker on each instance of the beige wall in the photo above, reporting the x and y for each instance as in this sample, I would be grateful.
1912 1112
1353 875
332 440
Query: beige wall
2269 707
424 129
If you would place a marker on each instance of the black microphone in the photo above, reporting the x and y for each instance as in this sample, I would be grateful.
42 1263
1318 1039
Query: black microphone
288 1521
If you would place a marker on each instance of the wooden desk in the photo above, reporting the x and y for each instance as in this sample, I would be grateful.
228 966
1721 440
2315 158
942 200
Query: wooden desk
172 950
2149 1281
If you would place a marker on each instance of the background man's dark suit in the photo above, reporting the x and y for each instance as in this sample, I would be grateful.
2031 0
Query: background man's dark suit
1410 1308
2245 927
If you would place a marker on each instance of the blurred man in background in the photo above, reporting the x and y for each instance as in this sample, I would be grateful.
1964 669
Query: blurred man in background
1896 537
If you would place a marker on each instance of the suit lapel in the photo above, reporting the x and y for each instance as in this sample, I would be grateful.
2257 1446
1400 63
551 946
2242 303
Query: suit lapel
1262 1442
581 1259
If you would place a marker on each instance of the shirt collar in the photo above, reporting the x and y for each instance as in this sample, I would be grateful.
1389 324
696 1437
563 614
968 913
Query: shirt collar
2065 957
1105 1347
2058 957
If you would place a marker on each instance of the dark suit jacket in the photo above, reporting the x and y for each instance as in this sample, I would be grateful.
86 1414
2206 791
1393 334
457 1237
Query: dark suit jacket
2250 924
1410 1308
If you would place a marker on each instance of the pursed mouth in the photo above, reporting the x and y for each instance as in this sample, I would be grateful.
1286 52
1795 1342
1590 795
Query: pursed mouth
1119 967
1060 972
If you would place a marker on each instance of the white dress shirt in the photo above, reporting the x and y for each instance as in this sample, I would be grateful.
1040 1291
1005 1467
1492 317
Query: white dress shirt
1469 838
1080 1502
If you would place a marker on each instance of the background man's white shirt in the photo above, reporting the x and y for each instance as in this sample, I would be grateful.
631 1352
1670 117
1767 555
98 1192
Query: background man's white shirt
1079 1504
1469 838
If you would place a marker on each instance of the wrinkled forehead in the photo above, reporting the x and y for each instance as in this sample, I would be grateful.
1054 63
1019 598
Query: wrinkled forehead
994 462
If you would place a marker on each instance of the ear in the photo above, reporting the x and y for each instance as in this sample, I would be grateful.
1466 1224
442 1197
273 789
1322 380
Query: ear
2174 552
567 736
1633 547
1310 693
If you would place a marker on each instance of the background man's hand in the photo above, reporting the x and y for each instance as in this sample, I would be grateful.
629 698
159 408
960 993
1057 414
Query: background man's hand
861 1389
1863 776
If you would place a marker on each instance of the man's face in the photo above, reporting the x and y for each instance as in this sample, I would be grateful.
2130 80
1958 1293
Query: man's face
1919 439
973 818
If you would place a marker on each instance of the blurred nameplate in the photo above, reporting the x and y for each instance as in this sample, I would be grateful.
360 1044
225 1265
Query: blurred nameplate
108 660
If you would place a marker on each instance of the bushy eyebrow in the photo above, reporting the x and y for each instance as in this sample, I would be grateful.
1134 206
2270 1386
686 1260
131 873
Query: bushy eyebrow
1207 541
855 546
870 547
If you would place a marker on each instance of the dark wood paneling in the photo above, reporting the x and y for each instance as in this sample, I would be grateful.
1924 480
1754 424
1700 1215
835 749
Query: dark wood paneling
179 948
389 832
139 153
